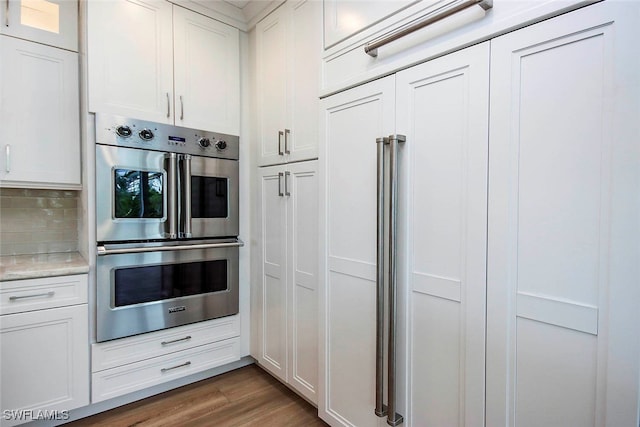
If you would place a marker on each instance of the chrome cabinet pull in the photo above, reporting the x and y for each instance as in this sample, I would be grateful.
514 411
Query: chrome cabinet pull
163 370
287 174
381 409
371 48
185 178
280 175
187 338
46 294
7 158
6 13
287 132
168 106
280 134
181 108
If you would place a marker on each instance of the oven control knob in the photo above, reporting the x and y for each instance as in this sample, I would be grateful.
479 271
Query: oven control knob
204 142
146 134
124 131
221 145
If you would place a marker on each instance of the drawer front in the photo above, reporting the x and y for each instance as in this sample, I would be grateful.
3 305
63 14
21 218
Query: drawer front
36 294
128 350
137 376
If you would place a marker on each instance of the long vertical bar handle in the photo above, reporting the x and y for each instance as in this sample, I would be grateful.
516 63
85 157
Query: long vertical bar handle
287 132
287 174
280 135
393 418
7 158
181 108
381 409
186 195
171 224
6 13
280 175
168 106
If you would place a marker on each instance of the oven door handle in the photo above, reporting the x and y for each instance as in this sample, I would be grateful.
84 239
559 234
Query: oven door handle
102 250
185 192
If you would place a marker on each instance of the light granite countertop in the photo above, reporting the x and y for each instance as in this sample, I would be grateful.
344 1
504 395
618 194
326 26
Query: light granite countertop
18 267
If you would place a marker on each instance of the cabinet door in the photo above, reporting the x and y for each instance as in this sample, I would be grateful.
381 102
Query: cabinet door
271 56
563 347
301 190
272 351
130 55
40 115
443 108
50 22
351 122
207 73
45 359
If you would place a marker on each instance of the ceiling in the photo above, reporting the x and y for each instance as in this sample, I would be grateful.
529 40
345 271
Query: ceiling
240 4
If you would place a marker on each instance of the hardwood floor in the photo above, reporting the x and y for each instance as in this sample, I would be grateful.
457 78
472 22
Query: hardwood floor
245 397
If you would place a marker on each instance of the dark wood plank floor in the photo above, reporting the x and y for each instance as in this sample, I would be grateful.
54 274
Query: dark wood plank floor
245 397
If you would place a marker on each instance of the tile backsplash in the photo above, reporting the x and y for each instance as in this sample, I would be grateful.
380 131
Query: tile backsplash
38 221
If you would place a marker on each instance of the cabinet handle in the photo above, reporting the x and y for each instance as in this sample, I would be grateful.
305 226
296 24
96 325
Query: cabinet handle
287 132
280 152
7 158
46 294
181 108
287 174
163 370
280 175
168 106
187 338
6 13
381 408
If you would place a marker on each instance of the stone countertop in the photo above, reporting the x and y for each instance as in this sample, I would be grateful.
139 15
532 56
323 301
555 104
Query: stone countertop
18 267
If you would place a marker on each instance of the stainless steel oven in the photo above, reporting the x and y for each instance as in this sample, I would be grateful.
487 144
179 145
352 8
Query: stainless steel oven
166 226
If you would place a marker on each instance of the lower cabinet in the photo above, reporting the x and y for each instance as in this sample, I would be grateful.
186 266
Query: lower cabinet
286 297
135 363
44 352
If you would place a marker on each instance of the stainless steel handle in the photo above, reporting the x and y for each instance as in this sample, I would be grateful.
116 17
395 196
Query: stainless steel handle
168 106
287 132
280 175
171 224
393 418
101 250
280 134
46 294
6 13
163 370
381 409
7 158
185 217
287 174
181 108
187 338
371 48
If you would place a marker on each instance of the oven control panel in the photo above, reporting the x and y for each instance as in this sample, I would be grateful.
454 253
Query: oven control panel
133 133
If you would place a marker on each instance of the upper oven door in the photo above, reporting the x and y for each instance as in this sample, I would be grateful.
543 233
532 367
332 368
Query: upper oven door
209 194
133 194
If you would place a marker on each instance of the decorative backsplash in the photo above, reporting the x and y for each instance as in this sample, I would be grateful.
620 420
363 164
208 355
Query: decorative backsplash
38 221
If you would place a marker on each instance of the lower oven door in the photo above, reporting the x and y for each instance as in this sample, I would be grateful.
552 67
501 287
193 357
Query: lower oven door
144 289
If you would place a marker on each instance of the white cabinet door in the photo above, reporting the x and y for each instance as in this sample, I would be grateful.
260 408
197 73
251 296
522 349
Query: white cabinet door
130 54
45 360
443 109
206 72
301 190
272 294
563 347
40 116
50 22
351 122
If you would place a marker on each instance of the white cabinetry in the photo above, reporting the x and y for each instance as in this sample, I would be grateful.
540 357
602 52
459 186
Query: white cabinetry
50 22
288 78
44 345
156 61
287 293
39 106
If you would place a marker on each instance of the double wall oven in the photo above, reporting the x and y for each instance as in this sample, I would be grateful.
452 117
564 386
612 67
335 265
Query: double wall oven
166 226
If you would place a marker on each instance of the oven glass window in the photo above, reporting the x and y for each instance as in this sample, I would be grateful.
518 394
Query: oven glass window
138 194
209 197
136 285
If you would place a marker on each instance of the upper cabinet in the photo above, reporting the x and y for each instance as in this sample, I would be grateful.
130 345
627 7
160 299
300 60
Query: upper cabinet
50 22
154 61
289 45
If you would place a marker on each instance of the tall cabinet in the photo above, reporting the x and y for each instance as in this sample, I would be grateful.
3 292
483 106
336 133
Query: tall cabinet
517 231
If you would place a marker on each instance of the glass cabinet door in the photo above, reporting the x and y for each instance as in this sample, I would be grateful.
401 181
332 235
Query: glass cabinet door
50 22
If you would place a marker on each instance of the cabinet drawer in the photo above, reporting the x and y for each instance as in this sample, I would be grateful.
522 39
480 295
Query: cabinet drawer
120 352
35 294
137 376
